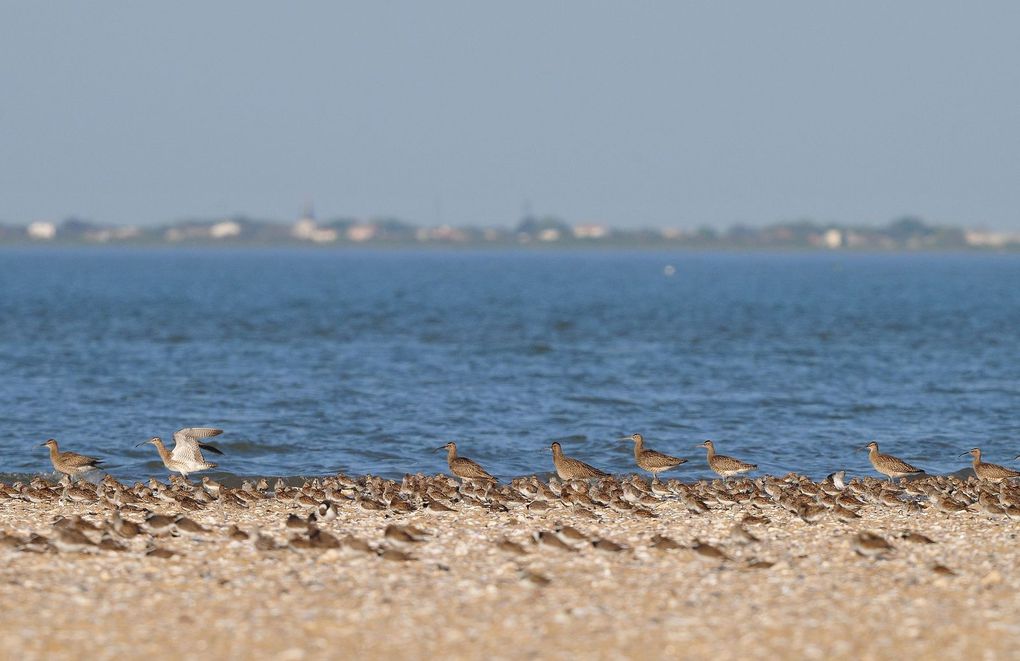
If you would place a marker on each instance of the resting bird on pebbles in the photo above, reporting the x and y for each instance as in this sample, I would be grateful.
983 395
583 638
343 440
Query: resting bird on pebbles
870 545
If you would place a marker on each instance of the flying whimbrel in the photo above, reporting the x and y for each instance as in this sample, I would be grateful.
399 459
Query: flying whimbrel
186 456
650 460
725 466
888 465
569 468
70 464
463 467
990 472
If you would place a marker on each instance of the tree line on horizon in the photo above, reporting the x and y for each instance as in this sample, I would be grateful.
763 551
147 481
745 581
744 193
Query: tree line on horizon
905 233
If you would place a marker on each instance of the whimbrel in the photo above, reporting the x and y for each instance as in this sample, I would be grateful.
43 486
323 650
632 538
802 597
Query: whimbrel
186 456
650 460
888 465
990 472
463 467
725 466
70 464
569 468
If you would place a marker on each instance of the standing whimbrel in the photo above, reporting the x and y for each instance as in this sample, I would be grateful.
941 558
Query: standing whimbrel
725 466
888 465
572 469
650 460
463 467
70 464
186 456
990 472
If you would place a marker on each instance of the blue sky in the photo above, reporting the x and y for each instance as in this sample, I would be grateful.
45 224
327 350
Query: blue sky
634 114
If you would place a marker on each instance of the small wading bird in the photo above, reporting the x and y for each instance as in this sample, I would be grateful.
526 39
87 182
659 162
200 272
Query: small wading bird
463 467
70 464
650 460
568 468
186 456
888 465
990 472
725 466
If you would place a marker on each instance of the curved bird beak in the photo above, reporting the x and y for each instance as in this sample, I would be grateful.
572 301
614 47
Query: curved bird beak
141 444
441 447
626 438
964 454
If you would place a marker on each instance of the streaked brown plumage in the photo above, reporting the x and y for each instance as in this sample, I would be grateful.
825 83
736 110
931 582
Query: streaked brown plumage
888 465
569 468
463 467
650 460
723 465
70 464
990 472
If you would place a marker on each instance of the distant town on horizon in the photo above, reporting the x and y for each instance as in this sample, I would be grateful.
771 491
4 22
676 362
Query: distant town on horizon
906 233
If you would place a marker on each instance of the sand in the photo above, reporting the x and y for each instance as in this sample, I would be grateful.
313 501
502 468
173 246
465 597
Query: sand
463 596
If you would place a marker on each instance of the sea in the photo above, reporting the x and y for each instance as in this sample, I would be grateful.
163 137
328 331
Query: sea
365 361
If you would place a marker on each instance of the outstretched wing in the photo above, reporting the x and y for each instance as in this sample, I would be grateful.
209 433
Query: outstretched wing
194 434
187 446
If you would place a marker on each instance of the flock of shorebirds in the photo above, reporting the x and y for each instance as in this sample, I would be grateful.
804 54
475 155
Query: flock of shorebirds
186 457
578 488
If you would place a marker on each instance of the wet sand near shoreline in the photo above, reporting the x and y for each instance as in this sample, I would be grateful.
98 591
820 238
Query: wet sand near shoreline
604 586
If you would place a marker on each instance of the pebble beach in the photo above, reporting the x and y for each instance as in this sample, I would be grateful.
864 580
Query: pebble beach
511 572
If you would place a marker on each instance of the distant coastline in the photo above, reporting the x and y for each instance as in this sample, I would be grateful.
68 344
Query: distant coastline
903 234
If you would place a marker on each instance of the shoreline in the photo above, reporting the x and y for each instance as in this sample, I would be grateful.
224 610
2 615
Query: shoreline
483 249
237 479
611 582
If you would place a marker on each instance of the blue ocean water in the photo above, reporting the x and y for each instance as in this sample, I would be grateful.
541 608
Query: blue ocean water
319 361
